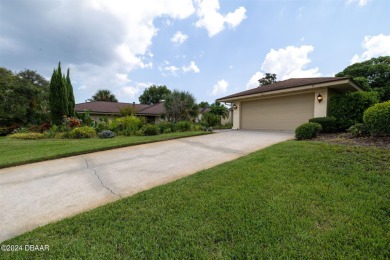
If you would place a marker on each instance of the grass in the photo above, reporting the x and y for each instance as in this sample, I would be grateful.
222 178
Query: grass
291 200
16 151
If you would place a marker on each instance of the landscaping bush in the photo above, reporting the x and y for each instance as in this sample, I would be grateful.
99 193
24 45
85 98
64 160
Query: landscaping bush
348 108
4 130
329 124
183 126
82 132
377 119
209 119
71 122
307 131
150 129
106 134
130 124
101 126
359 129
165 127
28 136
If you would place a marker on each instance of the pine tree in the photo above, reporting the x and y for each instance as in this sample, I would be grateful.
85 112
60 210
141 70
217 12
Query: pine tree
58 97
71 102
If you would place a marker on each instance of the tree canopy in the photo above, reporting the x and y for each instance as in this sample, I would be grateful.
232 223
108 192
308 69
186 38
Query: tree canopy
203 104
372 75
154 94
180 105
268 79
23 97
219 109
104 95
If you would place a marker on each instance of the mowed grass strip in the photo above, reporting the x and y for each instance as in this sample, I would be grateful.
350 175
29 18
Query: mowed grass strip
292 200
16 152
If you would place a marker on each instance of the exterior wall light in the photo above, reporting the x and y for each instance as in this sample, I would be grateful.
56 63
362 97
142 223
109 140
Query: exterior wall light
234 106
319 98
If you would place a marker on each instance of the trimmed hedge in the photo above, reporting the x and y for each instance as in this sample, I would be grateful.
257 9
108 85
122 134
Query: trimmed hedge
28 136
349 108
329 124
307 131
183 126
377 119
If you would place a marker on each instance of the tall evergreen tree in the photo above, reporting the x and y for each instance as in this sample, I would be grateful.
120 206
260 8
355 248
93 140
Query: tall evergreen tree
71 102
58 97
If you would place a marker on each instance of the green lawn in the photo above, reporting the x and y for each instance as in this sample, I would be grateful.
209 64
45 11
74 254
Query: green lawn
16 151
292 200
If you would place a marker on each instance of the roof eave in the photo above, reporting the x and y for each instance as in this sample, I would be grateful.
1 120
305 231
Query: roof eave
294 89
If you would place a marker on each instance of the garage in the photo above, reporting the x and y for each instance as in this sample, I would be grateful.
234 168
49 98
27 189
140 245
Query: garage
282 113
286 104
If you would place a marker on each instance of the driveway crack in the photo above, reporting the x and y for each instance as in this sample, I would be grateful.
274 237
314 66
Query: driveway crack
100 180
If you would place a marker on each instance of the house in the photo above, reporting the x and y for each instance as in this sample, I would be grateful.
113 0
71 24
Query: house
98 109
286 104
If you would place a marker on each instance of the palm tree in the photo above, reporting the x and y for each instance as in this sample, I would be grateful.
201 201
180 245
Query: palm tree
104 95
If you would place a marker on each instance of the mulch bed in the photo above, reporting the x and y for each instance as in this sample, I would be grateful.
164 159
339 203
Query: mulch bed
348 139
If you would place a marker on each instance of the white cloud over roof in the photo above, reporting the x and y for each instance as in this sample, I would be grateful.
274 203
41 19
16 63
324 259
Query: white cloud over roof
220 87
378 45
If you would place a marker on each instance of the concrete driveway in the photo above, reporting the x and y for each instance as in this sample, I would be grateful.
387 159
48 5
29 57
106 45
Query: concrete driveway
36 194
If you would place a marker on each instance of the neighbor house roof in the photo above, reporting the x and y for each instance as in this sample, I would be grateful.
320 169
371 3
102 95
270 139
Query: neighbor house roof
156 109
104 107
203 110
289 84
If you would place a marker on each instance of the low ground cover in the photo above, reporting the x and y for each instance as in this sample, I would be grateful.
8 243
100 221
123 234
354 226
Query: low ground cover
292 200
17 151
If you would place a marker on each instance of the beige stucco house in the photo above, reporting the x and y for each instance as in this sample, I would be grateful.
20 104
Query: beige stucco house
286 104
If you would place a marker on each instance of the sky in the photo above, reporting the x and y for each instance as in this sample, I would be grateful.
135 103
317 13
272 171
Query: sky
210 48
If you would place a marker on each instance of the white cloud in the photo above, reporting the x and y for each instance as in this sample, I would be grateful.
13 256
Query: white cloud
290 62
179 37
171 69
192 67
254 80
130 92
220 87
375 46
359 2
286 63
213 21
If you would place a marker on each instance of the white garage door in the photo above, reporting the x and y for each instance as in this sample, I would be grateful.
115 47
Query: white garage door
283 113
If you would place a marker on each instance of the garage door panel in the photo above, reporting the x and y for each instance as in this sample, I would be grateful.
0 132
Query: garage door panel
283 113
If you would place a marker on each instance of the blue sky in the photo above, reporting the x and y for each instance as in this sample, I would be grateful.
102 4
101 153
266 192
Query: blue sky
209 48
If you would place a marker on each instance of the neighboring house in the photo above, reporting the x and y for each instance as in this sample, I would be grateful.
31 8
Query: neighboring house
98 109
201 111
286 104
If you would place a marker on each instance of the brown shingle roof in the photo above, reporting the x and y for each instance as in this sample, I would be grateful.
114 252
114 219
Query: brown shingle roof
156 109
286 84
104 107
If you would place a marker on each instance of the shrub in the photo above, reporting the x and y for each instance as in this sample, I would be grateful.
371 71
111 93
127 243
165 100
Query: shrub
377 119
210 119
4 130
82 132
348 108
128 125
307 131
329 124
106 134
165 127
71 122
183 126
150 129
101 126
139 133
28 136
359 129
